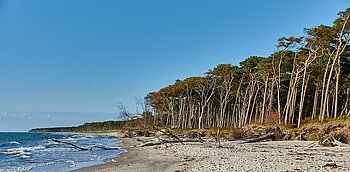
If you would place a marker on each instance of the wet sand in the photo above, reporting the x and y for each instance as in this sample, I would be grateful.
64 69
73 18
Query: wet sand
144 159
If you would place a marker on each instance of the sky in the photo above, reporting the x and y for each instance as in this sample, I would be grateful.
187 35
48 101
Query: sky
67 62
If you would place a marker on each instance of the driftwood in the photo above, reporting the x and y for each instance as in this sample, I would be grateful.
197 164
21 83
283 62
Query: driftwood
173 139
70 144
168 141
261 138
84 148
105 148
217 137
331 141
331 165
171 135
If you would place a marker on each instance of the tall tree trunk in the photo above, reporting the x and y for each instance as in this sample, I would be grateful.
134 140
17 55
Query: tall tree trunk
264 100
271 98
303 92
345 109
337 88
289 95
314 109
323 97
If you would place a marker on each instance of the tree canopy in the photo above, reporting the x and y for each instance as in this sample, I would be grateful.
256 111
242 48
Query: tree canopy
306 77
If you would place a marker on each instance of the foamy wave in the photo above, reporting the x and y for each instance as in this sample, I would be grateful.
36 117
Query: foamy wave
70 139
9 144
22 152
14 143
25 148
71 162
25 168
23 156
90 136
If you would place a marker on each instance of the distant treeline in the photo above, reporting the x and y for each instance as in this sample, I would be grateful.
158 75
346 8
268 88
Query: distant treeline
93 126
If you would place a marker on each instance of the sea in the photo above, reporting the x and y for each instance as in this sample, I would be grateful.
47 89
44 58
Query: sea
41 152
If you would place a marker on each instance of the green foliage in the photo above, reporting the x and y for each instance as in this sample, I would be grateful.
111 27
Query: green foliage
241 94
87 127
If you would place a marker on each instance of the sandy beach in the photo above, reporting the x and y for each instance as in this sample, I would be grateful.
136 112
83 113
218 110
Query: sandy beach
232 156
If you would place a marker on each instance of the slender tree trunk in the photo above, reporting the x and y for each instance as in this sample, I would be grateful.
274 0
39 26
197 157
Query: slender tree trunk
253 107
271 98
323 107
303 92
251 94
314 109
264 100
289 95
345 109
337 90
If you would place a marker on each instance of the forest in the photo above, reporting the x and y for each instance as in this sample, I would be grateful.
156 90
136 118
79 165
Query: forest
93 126
307 77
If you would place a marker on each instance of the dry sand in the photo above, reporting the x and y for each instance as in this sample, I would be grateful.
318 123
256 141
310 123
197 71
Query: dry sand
233 156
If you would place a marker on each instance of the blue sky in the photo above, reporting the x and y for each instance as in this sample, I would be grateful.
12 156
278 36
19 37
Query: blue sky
84 56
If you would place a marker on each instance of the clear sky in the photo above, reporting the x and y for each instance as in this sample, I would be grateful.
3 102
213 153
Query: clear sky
65 62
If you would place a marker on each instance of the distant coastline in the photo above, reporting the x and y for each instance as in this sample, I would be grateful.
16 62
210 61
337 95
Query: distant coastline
87 127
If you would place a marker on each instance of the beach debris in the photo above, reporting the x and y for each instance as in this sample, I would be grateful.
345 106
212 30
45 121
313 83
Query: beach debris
137 133
217 138
186 159
331 141
302 136
170 138
331 165
84 148
287 136
70 144
144 133
155 143
327 141
269 136
193 134
171 135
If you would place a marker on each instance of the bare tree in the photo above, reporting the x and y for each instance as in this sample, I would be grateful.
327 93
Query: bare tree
124 113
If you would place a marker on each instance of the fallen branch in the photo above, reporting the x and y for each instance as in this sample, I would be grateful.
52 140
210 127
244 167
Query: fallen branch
105 148
84 148
170 134
331 141
168 141
265 137
71 144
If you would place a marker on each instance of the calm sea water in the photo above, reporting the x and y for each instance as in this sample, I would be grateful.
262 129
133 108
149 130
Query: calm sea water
36 152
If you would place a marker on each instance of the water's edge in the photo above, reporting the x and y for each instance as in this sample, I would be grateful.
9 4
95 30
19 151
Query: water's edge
109 160
39 152
87 165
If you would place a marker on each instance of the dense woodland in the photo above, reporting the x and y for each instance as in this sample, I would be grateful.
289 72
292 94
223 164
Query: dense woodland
93 126
306 77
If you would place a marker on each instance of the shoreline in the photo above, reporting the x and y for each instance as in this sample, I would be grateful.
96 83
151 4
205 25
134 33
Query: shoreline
233 156
137 159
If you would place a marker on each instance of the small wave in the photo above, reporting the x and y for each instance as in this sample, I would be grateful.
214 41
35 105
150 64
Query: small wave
25 148
20 156
14 142
71 162
22 152
27 167
70 139
24 156
9 144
